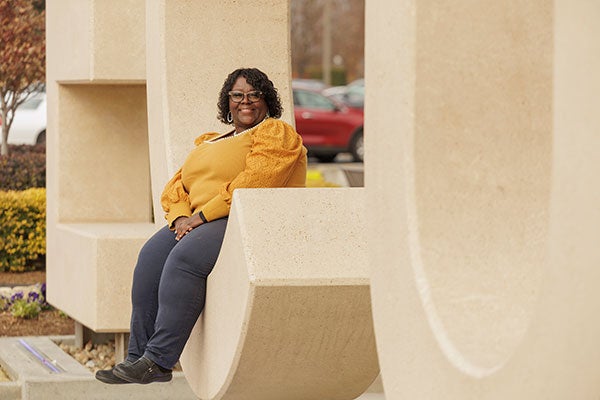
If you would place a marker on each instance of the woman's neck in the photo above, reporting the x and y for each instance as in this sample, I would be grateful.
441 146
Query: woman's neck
240 130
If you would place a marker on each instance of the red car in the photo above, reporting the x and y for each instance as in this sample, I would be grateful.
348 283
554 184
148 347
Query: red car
328 127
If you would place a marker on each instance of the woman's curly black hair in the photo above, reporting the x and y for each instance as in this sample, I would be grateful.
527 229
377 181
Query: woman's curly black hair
259 81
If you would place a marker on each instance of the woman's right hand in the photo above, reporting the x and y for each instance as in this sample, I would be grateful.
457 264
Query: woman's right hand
182 227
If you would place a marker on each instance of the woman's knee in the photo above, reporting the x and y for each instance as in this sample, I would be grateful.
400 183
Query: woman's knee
155 251
181 261
197 252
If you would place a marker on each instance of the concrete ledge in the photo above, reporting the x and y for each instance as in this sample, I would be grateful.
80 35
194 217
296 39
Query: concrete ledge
91 389
10 391
98 275
32 380
20 358
288 310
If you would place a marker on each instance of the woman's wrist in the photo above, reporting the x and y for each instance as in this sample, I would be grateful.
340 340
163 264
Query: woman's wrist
202 217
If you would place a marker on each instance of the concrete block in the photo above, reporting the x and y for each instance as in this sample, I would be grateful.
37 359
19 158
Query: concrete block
485 281
371 396
103 41
92 389
97 159
287 311
10 391
91 280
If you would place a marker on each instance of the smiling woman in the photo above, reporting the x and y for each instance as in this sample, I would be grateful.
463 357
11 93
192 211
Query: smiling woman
169 280
246 105
248 97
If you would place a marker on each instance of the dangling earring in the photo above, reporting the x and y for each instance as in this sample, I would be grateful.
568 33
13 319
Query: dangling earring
229 117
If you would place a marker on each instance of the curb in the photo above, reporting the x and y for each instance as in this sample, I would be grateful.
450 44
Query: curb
40 370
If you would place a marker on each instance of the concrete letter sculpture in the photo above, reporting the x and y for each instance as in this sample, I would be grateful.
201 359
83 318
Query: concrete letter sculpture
486 283
287 311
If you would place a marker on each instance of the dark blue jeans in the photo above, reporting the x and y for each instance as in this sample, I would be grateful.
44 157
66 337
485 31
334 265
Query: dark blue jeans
169 288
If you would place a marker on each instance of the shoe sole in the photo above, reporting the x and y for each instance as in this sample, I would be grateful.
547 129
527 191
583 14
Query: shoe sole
162 379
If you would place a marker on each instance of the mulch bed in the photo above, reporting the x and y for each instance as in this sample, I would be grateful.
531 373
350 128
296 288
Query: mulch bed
22 278
48 323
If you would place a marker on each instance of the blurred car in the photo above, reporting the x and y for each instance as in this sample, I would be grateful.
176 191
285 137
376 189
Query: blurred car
328 127
336 93
353 94
358 83
310 84
29 122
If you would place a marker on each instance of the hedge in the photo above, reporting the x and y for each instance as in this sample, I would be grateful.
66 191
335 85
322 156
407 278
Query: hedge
23 168
23 229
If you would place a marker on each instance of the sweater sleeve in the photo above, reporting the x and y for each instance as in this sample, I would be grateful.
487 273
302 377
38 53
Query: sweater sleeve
276 149
175 200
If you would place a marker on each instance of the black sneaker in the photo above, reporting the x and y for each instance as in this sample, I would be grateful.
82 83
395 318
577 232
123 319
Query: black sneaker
107 376
143 371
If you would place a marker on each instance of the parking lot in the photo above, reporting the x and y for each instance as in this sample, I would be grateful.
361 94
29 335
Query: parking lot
342 172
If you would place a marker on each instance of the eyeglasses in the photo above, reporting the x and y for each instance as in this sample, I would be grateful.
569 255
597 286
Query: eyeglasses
238 97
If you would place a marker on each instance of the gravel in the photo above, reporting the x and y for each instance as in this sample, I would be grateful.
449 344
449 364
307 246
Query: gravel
92 356
96 356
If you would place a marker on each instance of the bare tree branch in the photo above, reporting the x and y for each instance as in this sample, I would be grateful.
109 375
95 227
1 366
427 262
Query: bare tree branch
348 36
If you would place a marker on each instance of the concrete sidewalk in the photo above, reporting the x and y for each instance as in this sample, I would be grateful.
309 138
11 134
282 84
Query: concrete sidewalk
40 370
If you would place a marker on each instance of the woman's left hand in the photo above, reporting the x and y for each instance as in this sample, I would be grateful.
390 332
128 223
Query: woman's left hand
185 225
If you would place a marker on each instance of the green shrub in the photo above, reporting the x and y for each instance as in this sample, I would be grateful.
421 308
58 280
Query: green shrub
23 168
23 309
23 229
17 303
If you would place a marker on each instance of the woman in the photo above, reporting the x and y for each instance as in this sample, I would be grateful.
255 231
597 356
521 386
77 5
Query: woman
169 281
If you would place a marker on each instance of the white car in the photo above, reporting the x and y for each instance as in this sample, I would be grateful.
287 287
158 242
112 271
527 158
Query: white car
29 123
353 95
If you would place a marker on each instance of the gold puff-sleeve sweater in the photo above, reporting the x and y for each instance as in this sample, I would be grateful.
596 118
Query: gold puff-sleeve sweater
268 155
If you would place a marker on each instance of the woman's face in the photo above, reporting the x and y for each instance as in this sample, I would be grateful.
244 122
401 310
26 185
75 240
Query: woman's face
246 114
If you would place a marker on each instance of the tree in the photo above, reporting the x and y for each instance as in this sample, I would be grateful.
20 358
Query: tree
347 30
22 57
349 35
306 28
